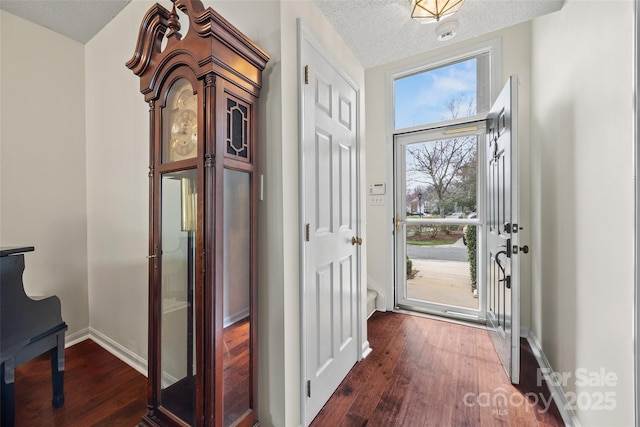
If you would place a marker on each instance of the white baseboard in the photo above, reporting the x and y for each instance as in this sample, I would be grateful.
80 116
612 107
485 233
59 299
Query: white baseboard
127 356
557 393
76 337
381 300
366 350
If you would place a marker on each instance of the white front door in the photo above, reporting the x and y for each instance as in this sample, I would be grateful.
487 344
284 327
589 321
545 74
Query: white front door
503 284
330 222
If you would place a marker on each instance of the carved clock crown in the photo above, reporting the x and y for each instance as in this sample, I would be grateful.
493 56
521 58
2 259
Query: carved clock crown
209 40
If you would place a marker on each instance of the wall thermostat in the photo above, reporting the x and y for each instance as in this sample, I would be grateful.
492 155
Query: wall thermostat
379 188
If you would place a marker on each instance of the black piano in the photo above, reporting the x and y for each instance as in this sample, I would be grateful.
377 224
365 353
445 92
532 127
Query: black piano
28 328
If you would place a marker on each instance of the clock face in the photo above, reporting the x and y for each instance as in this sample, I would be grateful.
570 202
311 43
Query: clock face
180 136
184 133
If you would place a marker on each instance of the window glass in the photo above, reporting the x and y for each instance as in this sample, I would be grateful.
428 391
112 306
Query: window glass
456 90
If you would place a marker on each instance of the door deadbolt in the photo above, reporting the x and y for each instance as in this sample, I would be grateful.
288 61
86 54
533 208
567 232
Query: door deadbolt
524 249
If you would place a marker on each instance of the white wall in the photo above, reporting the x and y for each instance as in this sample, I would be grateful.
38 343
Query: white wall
582 197
515 47
42 162
117 185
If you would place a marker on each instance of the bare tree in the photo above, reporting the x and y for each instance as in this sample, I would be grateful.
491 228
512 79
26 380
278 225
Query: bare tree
439 164
445 166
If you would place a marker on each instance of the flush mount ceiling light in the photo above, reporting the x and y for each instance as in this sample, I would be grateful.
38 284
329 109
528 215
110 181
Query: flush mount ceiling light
427 11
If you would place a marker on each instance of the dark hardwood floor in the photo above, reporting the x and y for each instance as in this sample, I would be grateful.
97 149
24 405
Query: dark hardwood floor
100 390
422 372
425 372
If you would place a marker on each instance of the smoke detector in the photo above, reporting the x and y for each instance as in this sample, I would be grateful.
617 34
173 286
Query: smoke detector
447 30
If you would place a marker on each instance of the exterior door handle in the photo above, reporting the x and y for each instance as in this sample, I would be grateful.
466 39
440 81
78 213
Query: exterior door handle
507 277
356 241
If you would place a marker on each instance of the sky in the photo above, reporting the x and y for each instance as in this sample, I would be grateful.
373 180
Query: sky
422 98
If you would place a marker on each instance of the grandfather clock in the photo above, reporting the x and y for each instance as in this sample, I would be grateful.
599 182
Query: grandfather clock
201 78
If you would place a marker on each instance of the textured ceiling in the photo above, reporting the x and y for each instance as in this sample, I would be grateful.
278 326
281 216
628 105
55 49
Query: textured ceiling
382 31
377 31
78 20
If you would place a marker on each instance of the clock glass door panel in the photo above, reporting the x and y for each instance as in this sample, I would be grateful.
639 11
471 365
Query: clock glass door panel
237 295
180 123
178 346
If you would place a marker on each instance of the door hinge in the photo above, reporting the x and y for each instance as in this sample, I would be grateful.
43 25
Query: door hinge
307 233
308 388
306 74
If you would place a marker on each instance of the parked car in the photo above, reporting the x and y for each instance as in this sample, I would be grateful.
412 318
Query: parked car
472 215
417 213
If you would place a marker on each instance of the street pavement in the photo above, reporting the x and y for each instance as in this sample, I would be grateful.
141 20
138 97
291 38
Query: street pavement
454 252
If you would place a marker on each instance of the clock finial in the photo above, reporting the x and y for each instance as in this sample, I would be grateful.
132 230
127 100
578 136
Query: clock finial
173 24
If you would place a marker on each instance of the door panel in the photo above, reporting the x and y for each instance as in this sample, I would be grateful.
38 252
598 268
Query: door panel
330 209
345 196
324 340
503 287
324 174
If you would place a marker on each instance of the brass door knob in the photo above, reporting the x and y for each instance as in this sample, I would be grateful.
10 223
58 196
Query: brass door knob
356 241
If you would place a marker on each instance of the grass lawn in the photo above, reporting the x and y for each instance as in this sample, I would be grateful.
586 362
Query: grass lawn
426 239
428 242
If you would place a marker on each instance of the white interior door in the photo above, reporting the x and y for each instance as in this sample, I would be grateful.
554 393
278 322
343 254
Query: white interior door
331 247
503 293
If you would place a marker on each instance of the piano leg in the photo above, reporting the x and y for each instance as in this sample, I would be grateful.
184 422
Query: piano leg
6 392
57 372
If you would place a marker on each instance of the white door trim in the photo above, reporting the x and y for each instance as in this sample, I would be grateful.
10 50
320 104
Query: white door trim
636 143
304 34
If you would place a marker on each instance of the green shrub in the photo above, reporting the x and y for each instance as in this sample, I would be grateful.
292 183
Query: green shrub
471 237
409 266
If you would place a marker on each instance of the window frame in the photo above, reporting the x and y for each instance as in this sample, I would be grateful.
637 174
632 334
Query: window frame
491 47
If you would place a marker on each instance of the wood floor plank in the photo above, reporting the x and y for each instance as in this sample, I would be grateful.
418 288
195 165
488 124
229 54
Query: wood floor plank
100 390
466 381
375 383
425 372
418 374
